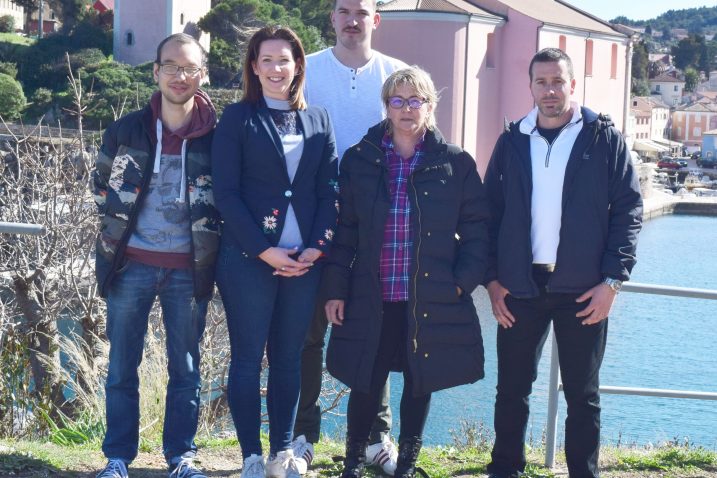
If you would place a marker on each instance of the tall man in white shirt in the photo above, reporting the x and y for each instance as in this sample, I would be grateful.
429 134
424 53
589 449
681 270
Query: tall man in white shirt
346 79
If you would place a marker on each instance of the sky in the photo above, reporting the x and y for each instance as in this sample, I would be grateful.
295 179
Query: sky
636 9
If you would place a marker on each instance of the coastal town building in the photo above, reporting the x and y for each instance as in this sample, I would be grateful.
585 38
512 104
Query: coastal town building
8 7
669 87
652 118
690 123
478 53
140 25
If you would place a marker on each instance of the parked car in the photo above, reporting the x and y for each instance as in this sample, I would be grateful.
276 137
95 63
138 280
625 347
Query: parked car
682 162
668 163
707 162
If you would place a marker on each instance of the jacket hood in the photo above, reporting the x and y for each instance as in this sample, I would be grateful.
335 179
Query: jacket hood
204 115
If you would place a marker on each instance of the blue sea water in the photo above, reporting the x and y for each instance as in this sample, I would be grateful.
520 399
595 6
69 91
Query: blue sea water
653 342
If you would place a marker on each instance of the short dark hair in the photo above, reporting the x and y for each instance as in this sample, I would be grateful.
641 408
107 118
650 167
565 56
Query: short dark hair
551 55
182 38
374 3
252 85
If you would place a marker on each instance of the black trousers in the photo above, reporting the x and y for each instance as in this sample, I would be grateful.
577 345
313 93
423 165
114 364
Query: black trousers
308 415
581 349
362 407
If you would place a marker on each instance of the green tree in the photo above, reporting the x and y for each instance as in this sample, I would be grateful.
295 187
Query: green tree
688 52
691 79
231 24
7 24
640 61
640 87
12 98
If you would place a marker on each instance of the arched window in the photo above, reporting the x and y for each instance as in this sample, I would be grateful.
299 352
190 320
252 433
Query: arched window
181 18
129 38
562 43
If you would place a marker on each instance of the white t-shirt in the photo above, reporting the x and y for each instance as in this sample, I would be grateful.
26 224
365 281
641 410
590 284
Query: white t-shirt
352 96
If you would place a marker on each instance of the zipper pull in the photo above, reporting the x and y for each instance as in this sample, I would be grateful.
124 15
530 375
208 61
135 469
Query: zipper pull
415 346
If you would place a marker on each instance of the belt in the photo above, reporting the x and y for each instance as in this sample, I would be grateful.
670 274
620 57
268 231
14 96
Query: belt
543 267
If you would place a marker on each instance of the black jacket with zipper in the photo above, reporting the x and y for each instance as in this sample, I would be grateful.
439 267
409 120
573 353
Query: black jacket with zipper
449 220
601 211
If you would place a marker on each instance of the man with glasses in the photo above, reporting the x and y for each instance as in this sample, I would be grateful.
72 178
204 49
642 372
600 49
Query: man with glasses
346 79
158 238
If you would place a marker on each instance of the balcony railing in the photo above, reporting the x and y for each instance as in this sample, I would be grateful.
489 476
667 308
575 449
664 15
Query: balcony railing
554 387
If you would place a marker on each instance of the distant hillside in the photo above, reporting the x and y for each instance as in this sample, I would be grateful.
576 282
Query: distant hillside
695 20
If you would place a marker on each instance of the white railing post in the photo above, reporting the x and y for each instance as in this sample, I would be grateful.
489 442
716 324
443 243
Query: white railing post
551 434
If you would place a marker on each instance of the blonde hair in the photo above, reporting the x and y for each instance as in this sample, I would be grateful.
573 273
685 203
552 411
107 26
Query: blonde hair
418 79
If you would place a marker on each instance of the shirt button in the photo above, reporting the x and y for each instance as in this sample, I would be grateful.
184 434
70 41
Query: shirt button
425 274
425 314
378 160
426 355
428 233
288 193
425 193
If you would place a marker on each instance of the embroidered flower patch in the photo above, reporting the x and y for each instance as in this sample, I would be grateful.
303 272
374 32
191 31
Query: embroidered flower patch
269 224
334 184
329 234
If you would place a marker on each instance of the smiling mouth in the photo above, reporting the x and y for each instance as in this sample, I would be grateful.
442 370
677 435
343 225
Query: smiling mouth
276 79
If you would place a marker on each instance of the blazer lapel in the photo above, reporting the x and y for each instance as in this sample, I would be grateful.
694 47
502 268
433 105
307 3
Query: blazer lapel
308 131
268 123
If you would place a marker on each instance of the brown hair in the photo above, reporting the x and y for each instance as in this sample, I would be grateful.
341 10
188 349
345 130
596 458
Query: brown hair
252 86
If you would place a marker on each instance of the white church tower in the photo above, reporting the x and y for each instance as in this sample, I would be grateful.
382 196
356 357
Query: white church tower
139 26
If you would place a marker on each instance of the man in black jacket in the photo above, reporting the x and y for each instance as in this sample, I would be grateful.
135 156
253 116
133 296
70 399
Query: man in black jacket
158 238
567 212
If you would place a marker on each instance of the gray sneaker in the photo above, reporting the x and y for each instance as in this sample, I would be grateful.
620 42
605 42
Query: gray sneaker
185 469
115 468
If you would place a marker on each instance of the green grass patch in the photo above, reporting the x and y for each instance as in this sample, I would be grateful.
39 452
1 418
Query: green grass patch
16 39
668 459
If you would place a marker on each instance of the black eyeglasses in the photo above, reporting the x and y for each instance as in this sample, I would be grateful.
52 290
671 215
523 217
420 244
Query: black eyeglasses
414 102
171 70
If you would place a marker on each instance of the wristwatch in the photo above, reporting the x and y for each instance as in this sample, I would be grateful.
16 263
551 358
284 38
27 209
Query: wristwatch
614 284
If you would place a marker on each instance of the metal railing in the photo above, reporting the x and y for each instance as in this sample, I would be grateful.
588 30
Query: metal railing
21 228
555 386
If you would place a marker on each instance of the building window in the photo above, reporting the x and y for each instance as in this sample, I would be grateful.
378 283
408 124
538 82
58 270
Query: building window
562 43
613 62
490 51
679 131
181 18
657 88
589 58
697 132
677 88
129 38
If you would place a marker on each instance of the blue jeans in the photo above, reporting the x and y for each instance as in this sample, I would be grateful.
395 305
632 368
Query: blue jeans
129 302
264 310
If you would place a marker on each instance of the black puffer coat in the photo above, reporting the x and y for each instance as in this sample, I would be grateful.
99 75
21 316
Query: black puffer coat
450 234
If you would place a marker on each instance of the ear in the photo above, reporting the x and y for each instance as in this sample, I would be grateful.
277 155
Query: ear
376 20
572 86
155 72
253 68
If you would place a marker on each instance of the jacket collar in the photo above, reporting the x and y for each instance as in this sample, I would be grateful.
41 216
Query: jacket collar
433 141
529 124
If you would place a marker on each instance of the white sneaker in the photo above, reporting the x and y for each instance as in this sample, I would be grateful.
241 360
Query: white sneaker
253 467
383 454
303 453
283 465
115 468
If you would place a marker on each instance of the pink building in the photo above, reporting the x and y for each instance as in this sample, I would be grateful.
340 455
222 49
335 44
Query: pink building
478 53
139 26
690 123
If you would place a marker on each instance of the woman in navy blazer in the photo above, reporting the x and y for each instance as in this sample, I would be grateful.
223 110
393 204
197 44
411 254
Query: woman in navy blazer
275 185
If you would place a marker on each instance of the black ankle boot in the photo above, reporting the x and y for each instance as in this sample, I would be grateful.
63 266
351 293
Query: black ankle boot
355 458
408 450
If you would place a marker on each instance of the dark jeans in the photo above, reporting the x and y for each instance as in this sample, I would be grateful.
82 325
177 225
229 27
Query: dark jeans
308 417
581 349
129 302
264 310
362 407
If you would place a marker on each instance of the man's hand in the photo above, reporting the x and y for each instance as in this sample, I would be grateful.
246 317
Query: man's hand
334 309
601 299
279 258
497 294
309 255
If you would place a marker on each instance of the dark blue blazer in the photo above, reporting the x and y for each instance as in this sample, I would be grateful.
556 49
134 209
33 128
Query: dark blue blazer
251 182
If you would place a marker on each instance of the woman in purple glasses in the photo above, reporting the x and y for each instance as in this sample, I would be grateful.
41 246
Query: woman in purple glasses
411 246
